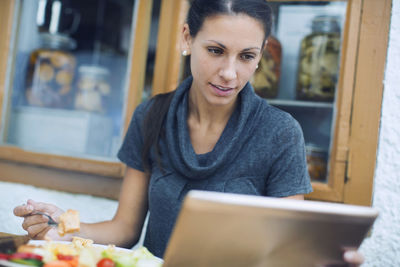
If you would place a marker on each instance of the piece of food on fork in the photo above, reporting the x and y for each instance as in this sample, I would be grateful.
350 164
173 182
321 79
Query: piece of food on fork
69 222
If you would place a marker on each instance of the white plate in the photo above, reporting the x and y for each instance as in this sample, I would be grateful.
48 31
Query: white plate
5 263
42 242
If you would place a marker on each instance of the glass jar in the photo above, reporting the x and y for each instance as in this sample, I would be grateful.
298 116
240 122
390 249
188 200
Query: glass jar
51 72
316 162
319 60
266 77
93 88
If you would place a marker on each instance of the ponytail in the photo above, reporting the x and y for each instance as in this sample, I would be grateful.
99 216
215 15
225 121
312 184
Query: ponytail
153 129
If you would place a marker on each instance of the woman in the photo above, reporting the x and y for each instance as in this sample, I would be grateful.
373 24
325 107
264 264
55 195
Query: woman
211 133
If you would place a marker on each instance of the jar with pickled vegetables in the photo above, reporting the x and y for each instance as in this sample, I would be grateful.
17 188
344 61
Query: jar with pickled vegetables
93 88
266 77
51 72
317 161
319 61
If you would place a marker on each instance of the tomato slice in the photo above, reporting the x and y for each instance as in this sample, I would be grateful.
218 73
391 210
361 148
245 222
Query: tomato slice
4 256
73 261
25 255
106 262
63 257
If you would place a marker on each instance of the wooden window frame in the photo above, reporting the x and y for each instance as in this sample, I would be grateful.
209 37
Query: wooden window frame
355 137
14 161
359 97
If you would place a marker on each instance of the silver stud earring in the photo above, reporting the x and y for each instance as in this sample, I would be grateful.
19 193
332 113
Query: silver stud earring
257 66
184 53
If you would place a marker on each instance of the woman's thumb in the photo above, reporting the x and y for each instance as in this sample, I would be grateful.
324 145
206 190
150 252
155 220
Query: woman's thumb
31 202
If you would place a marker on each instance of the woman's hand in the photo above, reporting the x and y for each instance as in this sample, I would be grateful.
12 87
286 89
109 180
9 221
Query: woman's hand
353 257
36 225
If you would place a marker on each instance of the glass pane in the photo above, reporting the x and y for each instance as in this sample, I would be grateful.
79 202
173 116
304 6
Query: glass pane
68 81
299 71
151 54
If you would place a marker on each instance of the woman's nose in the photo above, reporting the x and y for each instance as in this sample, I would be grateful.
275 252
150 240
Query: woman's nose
228 71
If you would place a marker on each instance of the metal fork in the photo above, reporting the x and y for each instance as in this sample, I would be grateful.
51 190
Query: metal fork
51 221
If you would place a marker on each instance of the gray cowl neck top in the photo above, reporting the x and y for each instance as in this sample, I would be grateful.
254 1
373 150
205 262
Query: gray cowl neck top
260 152
239 129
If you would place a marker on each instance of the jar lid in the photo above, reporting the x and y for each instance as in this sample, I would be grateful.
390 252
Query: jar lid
57 41
93 70
326 24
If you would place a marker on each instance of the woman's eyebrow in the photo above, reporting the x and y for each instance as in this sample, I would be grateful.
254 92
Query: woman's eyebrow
251 48
244 50
217 43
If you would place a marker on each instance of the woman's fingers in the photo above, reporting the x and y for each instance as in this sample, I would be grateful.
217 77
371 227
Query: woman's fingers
353 257
30 206
43 207
32 220
35 224
36 229
47 208
23 210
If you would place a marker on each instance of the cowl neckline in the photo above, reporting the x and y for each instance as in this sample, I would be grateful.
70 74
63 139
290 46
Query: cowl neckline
241 124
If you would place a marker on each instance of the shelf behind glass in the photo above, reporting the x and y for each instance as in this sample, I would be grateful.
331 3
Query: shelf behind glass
298 103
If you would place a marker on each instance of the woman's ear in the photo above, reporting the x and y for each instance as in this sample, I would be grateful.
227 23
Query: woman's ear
186 40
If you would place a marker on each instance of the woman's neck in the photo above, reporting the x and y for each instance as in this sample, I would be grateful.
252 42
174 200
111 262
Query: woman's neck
206 122
201 112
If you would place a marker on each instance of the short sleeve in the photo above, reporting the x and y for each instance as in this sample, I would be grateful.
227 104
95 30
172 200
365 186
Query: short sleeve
130 152
289 173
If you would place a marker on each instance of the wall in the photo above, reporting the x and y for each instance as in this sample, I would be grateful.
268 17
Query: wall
383 247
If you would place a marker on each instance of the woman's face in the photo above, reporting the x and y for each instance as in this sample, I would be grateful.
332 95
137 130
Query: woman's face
224 55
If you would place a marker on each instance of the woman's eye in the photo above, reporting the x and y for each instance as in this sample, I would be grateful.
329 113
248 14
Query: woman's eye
247 56
215 50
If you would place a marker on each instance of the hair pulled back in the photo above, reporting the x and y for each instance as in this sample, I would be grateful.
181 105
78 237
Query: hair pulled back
199 11
202 9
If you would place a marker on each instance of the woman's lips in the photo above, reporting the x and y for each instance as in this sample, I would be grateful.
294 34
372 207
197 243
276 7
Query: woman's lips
221 90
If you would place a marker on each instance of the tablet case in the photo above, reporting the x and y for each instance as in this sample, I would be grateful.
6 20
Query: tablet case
220 229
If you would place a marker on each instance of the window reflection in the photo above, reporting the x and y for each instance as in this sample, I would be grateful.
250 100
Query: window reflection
70 76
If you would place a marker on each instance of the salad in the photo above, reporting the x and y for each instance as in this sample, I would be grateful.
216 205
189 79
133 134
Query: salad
81 253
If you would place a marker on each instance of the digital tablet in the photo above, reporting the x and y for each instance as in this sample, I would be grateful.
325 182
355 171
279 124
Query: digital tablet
221 229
